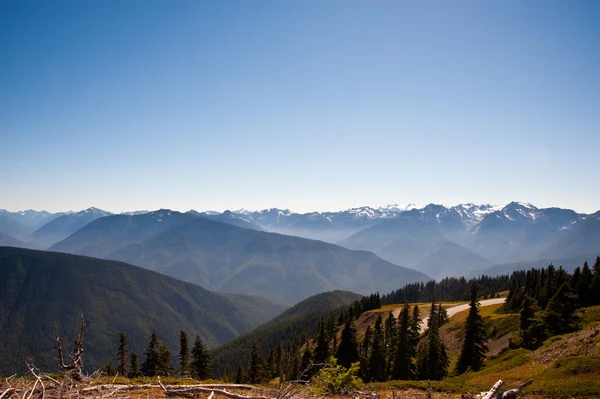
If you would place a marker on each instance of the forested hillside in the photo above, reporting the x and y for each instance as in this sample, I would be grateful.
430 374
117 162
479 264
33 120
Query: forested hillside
288 327
44 293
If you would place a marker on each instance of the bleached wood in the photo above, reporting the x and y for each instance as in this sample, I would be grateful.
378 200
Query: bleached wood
493 393
511 394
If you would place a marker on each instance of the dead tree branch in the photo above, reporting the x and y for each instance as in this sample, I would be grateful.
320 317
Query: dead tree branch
8 392
75 368
511 394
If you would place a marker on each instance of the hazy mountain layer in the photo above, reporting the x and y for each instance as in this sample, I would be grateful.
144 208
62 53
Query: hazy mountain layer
227 258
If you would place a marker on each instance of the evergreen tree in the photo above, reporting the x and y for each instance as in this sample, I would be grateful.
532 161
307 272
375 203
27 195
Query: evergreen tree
415 327
240 375
255 368
404 368
108 369
184 353
390 335
149 365
366 344
584 286
295 371
134 368
164 366
270 366
279 362
432 358
532 328
226 376
201 361
377 360
559 316
596 283
122 355
474 346
321 354
390 342
442 316
347 352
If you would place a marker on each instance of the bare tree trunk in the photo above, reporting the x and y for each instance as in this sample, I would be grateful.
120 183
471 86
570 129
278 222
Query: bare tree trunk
75 368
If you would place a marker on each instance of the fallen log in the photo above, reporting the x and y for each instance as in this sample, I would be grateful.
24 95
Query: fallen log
511 394
191 391
128 387
493 393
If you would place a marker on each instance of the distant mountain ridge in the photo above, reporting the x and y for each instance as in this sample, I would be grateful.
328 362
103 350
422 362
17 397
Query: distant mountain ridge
65 225
438 241
221 256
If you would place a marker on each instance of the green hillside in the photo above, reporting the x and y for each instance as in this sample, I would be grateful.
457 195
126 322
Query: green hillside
45 292
291 324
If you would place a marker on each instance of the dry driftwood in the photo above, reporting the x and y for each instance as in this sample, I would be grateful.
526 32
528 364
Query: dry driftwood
511 394
495 392
8 392
192 391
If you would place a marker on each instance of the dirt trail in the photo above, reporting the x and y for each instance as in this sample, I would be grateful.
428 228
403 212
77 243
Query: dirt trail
451 310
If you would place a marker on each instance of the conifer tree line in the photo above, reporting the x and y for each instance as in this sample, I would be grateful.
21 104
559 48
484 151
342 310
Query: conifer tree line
449 289
194 362
296 334
394 349
547 301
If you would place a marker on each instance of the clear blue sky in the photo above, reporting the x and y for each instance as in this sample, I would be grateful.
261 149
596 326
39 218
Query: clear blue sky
308 105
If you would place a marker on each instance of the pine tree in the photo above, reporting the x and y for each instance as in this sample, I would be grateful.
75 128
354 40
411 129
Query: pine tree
295 371
390 342
240 375
404 368
432 358
321 354
134 368
347 352
184 353
108 369
365 347
279 362
164 366
559 316
122 355
149 365
226 376
255 368
442 315
390 335
201 362
474 346
270 368
415 327
377 360
596 283
532 328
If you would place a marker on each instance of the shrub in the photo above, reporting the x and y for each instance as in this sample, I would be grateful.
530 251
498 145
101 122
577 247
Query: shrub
334 379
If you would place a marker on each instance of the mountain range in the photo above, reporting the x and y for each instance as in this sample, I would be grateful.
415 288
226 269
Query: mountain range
227 258
435 240
44 293
442 241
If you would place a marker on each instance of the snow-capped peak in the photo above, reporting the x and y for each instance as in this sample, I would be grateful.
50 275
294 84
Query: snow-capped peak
397 207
